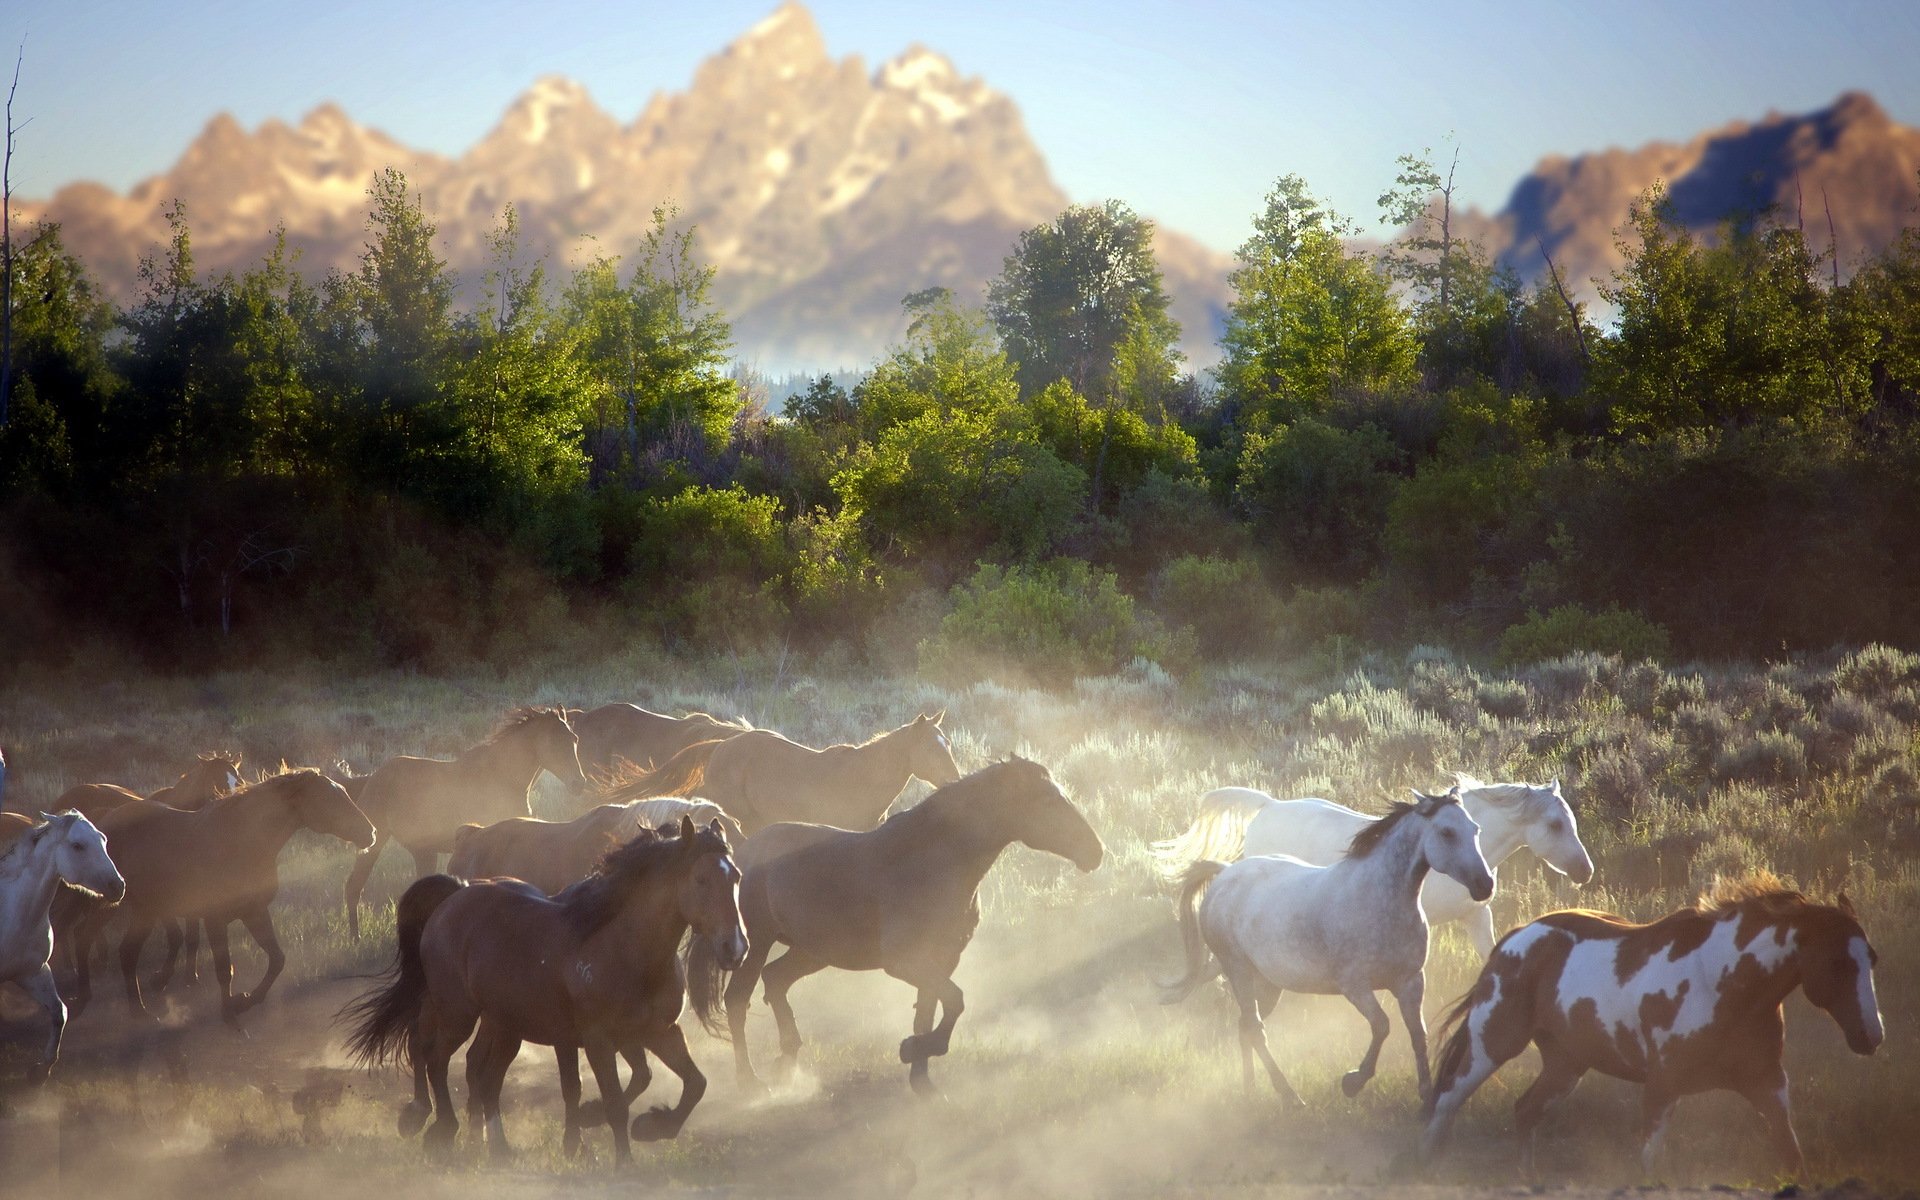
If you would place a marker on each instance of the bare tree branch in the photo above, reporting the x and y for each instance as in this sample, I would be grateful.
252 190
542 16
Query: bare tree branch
1573 310
6 244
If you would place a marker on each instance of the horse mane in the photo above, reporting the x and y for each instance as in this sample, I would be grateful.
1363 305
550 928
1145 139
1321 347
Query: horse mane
1368 839
517 717
740 723
1760 889
285 771
231 757
591 903
17 849
962 791
1501 795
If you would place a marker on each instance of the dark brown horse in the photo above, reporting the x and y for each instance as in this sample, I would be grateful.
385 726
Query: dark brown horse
617 736
422 802
900 899
552 855
595 968
218 865
761 777
213 774
1689 1003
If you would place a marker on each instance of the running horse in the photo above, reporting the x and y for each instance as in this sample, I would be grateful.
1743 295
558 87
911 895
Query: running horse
617 736
422 802
219 865
1275 924
35 859
902 898
552 855
594 968
761 778
1689 1003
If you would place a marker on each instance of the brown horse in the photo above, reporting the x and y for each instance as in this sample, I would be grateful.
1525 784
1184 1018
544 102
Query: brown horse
422 802
596 967
614 736
1689 1003
218 865
761 777
900 899
212 774
552 855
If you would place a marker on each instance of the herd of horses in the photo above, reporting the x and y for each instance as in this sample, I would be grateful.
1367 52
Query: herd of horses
709 844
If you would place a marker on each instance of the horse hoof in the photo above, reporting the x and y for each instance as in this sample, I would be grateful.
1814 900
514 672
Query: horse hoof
654 1125
412 1118
783 1068
910 1049
1352 1082
440 1136
570 1144
923 1087
754 1087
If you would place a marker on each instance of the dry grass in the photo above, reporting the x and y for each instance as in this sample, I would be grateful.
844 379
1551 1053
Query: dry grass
1066 1077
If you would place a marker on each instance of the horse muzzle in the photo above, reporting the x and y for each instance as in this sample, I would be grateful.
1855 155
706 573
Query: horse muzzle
731 951
1581 874
1481 889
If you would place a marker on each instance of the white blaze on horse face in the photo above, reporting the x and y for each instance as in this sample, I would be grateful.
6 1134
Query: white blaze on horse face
233 780
1869 1003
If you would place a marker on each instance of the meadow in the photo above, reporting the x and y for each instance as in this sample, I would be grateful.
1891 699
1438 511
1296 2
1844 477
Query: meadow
1067 1077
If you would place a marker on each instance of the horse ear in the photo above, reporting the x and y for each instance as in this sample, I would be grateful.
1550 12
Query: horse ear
687 830
1845 905
1554 786
940 716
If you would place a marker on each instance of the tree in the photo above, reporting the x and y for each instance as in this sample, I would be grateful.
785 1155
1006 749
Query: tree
1074 290
1308 316
948 362
6 245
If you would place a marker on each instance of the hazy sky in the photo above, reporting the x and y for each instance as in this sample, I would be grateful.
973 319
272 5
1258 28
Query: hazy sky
1186 111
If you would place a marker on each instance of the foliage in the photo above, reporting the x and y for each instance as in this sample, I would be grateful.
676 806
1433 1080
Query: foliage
1318 493
1049 621
1570 628
1226 602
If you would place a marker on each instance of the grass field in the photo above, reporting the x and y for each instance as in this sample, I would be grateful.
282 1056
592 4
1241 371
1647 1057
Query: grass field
1067 1077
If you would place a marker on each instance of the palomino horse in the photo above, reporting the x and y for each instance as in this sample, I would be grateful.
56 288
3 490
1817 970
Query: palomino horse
595 968
213 774
1277 924
900 899
33 865
1689 1003
1235 822
617 735
761 777
217 865
551 855
422 802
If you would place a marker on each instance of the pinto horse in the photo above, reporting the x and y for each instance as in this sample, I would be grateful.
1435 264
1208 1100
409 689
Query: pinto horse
34 862
1277 924
595 968
1237 822
761 777
1689 1003
901 899
422 802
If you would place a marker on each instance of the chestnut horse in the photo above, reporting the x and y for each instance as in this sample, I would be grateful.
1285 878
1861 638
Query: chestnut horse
422 802
218 865
551 855
617 736
213 774
1689 1003
901 899
595 968
35 859
761 777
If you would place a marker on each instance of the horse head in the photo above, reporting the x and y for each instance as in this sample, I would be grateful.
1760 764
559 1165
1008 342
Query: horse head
80 855
1836 970
1451 842
215 774
1553 833
932 754
325 807
1046 820
558 748
710 891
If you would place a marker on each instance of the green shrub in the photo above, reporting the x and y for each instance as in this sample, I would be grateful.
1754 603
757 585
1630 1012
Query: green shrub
1052 622
1769 757
707 564
1226 603
1319 493
1570 628
1877 672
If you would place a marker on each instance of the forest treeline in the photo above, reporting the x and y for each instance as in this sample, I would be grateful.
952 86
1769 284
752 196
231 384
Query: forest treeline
1403 444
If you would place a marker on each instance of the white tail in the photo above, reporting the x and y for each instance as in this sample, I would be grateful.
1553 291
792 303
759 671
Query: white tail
1218 832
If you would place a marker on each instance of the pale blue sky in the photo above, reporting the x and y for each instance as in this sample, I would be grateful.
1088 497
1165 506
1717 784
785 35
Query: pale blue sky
1185 111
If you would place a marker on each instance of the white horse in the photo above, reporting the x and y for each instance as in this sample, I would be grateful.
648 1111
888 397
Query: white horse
1237 822
1276 924
68 849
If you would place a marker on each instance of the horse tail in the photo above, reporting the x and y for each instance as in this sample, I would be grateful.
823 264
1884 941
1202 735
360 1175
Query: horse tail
706 983
680 775
381 1023
1200 964
1218 832
1455 1048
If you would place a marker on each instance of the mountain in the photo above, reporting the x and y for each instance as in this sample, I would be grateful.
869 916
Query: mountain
821 192
1850 160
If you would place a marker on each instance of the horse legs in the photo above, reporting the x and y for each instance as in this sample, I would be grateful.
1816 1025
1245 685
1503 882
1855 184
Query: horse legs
1558 1077
170 928
488 1058
192 952
139 928
1361 997
660 1123
739 997
413 1116
1769 1097
79 938
603 1059
917 1049
259 923
781 974
1487 1037
440 1035
1656 1112
357 880
567 1059
1410 994
222 953
46 993
1257 998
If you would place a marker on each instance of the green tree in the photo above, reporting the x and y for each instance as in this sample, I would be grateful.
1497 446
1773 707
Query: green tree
1074 291
948 362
